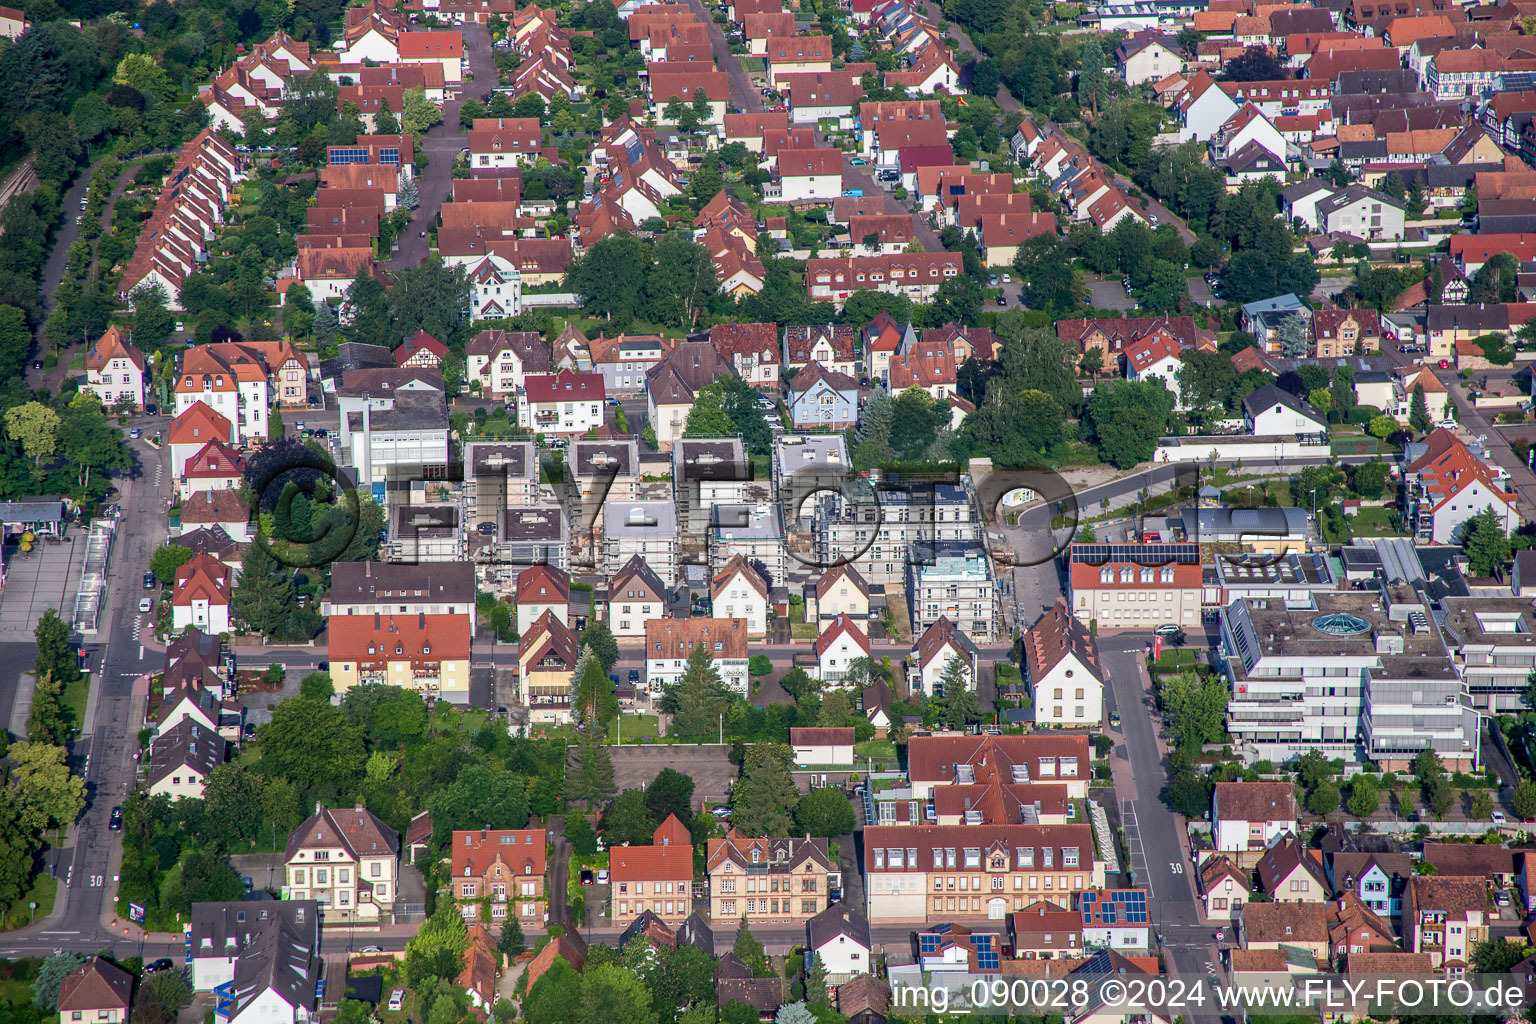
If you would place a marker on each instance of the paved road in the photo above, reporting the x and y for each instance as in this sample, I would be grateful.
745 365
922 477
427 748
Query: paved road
64 236
1154 834
88 862
442 145
744 96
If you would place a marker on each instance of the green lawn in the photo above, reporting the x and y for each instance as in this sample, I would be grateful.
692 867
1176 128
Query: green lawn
636 727
18 914
875 748
73 699
16 1005
1374 522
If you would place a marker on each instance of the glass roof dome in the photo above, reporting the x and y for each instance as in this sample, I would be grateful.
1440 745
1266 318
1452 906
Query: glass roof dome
1341 624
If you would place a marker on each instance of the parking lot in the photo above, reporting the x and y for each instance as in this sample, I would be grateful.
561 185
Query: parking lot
45 577
709 767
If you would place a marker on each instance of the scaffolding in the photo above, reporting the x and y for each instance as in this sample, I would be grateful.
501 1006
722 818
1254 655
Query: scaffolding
93 579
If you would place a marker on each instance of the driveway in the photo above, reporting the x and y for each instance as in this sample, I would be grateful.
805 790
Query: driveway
708 765
744 96
442 145
1200 293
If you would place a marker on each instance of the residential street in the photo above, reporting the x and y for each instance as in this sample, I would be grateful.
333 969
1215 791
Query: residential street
443 144
87 864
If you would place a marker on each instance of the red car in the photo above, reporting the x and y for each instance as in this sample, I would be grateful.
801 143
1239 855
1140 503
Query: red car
1445 364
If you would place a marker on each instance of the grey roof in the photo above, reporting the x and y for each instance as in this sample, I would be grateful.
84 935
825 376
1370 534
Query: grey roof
1217 524
643 573
746 522
1269 395
356 355
709 459
379 382
696 932
224 929
1447 175
194 642
600 458
424 521
282 959
1363 149
810 451
1351 194
641 519
536 523
1468 317
188 745
1302 189
838 919
413 410
1394 82
512 458
1253 157
1287 303
371 582
32 510
1372 377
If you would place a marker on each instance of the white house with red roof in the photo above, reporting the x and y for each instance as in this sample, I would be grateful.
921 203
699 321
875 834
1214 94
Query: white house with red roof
441 47
808 175
1155 355
841 641
1203 108
215 467
1448 483
201 595
192 430
561 403
421 349
739 591
114 370
540 589
1247 126
940 643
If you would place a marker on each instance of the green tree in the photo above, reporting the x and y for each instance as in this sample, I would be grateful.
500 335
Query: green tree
385 122
47 721
1523 800
161 998
89 441
764 799
1418 411
610 278
1498 955
16 338
153 321
1127 417
1324 800
311 743
1482 805
232 800
46 794
597 639
1194 708
590 778
671 792
50 975
1363 798
264 597
511 941
825 811
437 948
316 686
681 283
610 992
627 820
596 704
750 950
418 114
167 559
35 427
707 418
1484 539
701 696
1189 793
555 997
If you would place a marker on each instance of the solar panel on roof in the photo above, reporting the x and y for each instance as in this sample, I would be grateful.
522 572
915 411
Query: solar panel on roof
983 942
987 961
1139 554
928 943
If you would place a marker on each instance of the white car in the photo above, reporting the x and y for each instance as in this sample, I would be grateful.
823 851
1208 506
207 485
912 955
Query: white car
1497 817
397 999
146 605
602 876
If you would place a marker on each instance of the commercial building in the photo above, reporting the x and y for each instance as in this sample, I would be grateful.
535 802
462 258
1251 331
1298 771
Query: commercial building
1356 674
1135 586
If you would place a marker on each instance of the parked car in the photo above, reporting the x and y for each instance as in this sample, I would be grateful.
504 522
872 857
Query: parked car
1169 629
1445 364
146 605
149 581
116 822
586 876
634 675
1501 899
602 876
135 434
1114 719
155 966
397 999
1498 819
